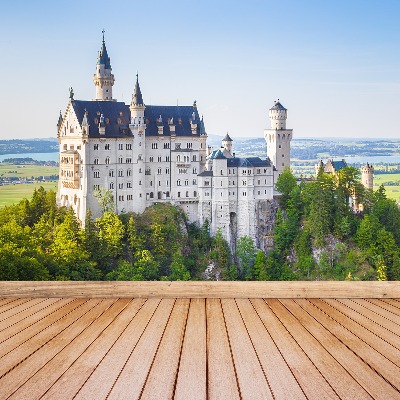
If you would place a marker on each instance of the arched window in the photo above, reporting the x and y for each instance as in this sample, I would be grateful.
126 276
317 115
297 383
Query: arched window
151 195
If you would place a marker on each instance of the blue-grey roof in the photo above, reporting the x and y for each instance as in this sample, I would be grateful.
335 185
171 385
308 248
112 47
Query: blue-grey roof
103 56
206 173
181 115
137 98
227 138
338 165
248 162
116 116
277 106
217 155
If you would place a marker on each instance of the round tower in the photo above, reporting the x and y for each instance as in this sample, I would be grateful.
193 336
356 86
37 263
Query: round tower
367 176
277 116
103 78
278 137
227 143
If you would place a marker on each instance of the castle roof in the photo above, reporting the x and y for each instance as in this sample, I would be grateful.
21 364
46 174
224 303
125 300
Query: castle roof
338 165
206 173
137 98
180 116
217 155
117 117
277 106
248 162
103 56
227 138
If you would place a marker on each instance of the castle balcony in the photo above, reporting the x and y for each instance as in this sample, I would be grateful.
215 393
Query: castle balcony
200 340
180 164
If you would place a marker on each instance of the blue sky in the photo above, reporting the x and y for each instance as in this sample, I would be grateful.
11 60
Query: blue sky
334 64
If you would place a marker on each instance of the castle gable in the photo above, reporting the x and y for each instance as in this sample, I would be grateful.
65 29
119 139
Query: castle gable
248 162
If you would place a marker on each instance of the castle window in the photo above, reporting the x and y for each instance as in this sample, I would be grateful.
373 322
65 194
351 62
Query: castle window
283 155
108 160
78 147
128 160
154 146
222 172
151 195
120 185
259 182
96 174
65 147
129 197
179 194
195 170
71 147
159 195
258 171
159 158
129 172
140 183
95 187
139 157
265 191
186 182
187 194
107 147
279 146
189 145
120 146
96 147
259 192
167 158
120 160
178 158
201 158
112 185
194 181
128 147
167 194
96 161
177 146
121 198
178 183
194 194
151 159
166 145
167 170
111 173
140 194
159 171
159 183
151 183
120 172
167 183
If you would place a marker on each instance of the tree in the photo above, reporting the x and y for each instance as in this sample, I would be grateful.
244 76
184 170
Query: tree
245 252
105 199
260 266
285 183
178 271
380 269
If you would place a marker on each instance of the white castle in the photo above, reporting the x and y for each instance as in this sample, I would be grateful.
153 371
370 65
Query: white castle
145 154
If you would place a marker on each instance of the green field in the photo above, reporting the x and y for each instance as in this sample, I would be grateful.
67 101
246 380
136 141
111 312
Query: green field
11 194
26 171
392 192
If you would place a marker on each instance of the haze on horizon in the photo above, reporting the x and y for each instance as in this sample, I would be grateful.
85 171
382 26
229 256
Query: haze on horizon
333 65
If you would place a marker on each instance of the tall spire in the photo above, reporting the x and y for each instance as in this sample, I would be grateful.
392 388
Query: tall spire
137 98
103 58
202 127
103 78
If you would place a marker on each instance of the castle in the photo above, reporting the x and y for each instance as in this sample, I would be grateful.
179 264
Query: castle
145 154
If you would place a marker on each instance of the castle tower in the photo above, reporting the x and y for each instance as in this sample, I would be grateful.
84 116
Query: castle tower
367 176
278 137
103 78
227 144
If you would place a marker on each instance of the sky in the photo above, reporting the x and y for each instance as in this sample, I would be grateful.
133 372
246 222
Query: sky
333 64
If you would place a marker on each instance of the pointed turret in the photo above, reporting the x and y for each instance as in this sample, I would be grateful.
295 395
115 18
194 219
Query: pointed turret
60 120
202 127
137 98
227 143
103 78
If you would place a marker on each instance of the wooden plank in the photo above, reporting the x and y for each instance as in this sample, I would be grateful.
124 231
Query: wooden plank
192 374
312 382
362 361
131 381
253 383
161 380
97 386
41 382
12 303
196 289
29 327
20 308
24 371
315 343
88 361
390 311
16 350
282 382
221 377
367 323
35 306
360 307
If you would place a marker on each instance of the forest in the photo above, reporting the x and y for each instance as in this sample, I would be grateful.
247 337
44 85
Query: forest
318 236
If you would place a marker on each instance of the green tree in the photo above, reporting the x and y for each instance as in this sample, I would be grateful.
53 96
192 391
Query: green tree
260 266
105 199
285 183
178 271
245 252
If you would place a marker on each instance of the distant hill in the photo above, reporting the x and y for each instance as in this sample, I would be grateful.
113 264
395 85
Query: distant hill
18 146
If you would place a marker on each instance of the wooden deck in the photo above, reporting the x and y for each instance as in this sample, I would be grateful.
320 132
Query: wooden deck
199 346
